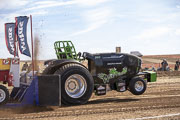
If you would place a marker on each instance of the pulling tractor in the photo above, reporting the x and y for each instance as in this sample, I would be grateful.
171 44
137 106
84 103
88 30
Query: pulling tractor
9 76
104 72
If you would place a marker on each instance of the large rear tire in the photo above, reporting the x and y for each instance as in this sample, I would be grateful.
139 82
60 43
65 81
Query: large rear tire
4 95
137 86
76 84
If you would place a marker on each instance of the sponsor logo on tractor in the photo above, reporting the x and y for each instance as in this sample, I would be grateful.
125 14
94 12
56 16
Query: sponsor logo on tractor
114 63
113 56
113 73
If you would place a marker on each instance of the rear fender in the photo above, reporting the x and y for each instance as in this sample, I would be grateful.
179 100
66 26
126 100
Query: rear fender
56 64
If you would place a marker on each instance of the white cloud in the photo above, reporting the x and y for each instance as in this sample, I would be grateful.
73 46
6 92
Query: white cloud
12 4
45 2
151 19
39 13
91 27
80 2
97 50
178 6
97 14
48 4
177 32
153 33
11 17
6 19
95 19
90 2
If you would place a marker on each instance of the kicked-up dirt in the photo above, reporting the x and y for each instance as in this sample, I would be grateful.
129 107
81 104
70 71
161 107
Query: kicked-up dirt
161 101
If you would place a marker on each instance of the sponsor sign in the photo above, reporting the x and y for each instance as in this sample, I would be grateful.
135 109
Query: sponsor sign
6 62
21 25
10 38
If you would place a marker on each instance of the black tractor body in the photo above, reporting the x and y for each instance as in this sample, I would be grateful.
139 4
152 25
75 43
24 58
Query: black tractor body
108 67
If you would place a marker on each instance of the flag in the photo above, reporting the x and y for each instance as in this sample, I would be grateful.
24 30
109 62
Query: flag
21 28
10 38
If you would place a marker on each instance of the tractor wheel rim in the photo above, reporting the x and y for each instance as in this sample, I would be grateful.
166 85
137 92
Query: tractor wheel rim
139 86
75 86
2 95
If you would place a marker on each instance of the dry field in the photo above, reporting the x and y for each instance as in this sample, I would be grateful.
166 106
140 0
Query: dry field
161 101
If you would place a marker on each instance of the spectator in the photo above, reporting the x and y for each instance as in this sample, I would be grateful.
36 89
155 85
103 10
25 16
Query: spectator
176 67
24 67
164 65
29 68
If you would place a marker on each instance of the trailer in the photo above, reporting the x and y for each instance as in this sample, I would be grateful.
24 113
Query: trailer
9 76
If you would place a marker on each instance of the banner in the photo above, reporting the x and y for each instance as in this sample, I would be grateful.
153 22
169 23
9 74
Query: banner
10 38
21 26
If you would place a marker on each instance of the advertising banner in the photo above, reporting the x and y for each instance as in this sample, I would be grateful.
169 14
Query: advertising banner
21 29
10 38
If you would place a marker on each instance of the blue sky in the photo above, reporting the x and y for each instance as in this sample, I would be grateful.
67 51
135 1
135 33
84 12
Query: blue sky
148 26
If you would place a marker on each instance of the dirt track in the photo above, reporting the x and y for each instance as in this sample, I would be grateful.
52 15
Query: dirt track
160 101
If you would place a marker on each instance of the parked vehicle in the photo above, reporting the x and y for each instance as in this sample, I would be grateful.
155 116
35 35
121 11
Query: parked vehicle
9 75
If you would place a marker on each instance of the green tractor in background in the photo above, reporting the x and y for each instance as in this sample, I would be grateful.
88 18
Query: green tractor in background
105 71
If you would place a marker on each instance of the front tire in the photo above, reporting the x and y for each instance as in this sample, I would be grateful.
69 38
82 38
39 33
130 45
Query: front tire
76 84
137 86
4 95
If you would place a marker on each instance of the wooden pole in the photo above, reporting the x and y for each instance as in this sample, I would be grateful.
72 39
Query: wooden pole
118 49
32 46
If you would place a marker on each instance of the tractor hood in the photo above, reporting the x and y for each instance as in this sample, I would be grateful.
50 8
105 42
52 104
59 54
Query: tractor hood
115 60
110 59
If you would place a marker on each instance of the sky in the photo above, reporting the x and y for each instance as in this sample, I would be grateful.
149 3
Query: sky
151 27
